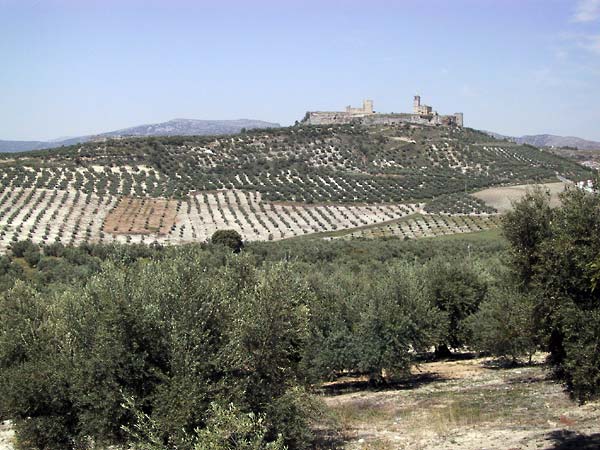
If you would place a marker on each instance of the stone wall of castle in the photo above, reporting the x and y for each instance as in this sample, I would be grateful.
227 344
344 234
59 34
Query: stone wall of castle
422 114
342 118
330 118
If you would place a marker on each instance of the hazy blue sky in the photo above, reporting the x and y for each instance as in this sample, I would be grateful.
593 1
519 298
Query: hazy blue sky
76 67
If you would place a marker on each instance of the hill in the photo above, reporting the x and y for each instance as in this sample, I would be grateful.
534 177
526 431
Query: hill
180 127
267 184
190 127
551 140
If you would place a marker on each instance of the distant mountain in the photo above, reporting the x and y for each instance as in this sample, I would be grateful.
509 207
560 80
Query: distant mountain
22 146
550 140
189 127
175 127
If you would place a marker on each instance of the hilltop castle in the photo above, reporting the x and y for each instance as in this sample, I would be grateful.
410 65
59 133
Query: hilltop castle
422 114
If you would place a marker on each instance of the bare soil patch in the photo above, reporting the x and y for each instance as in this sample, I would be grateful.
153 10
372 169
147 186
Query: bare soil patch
501 198
141 216
469 404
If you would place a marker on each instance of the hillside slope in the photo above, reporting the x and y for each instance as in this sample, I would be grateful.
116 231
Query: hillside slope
268 184
304 164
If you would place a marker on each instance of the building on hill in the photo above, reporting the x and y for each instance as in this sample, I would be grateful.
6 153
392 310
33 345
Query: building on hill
421 110
367 108
422 114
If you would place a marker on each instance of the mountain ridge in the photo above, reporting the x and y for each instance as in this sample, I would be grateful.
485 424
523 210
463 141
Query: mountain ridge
550 140
173 127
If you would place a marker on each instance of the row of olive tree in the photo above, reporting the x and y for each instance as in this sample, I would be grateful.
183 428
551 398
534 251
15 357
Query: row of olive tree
174 336
174 343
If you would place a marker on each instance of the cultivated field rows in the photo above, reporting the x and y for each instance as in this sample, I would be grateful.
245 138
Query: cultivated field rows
44 215
395 164
199 216
429 225
70 216
144 181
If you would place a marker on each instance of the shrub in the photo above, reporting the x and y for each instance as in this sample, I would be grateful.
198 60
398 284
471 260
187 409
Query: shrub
19 248
32 256
504 324
228 238
456 288
227 428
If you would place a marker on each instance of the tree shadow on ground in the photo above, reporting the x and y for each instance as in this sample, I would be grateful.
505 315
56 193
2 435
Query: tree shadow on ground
328 440
508 363
571 440
356 385
455 356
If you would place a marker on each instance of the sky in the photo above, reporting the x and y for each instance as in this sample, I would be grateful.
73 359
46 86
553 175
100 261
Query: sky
78 67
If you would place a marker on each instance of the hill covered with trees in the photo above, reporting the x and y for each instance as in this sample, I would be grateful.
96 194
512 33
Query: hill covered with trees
266 184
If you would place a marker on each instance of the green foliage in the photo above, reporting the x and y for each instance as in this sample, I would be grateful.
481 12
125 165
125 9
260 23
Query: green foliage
504 324
32 256
370 321
33 379
456 288
177 330
228 238
270 328
556 264
581 365
230 429
526 227
175 335
595 266
20 248
227 428
398 318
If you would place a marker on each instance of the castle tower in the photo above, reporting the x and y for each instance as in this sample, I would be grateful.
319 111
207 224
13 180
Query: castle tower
459 119
368 106
417 104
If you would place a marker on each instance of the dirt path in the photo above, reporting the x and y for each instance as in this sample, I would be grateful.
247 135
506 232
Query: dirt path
470 405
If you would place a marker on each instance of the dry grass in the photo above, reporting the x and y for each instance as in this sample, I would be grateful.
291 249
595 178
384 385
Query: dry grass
468 404
501 198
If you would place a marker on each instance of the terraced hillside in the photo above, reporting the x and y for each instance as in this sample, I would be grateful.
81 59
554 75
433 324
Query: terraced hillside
269 184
